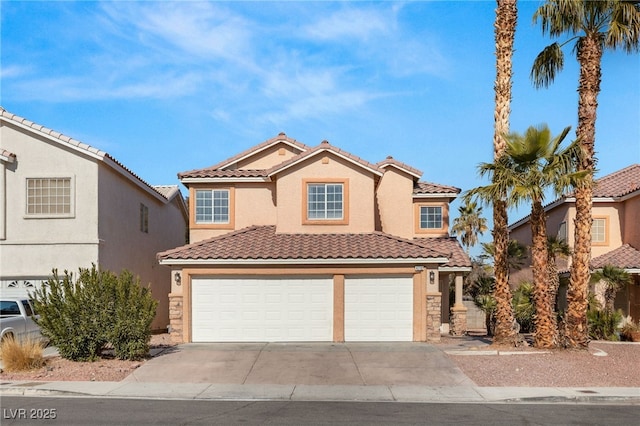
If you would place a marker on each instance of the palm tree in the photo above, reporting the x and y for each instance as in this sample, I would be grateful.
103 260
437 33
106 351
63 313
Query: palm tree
505 30
595 26
469 224
516 254
556 247
614 279
533 163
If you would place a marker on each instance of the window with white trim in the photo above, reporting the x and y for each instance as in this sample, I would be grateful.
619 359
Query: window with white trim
49 197
430 217
212 206
598 231
562 231
325 201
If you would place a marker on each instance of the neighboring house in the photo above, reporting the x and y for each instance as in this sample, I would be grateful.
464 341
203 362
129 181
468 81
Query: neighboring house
299 243
615 232
65 205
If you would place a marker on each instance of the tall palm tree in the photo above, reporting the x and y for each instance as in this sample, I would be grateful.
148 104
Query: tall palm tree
505 30
533 163
614 279
469 224
595 26
556 247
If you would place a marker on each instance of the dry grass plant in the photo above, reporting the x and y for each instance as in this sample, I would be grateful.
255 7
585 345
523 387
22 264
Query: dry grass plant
21 355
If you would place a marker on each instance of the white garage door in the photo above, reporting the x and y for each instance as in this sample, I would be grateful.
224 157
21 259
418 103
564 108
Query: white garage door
262 309
378 309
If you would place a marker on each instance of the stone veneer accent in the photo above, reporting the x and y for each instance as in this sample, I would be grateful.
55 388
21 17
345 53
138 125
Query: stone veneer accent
175 318
458 321
434 303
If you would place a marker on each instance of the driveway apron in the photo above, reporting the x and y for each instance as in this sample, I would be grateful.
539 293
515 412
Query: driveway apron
379 363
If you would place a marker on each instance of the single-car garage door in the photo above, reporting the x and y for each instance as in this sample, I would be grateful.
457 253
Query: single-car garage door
378 309
262 309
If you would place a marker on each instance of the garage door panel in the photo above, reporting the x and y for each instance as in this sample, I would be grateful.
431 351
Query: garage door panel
379 308
262 309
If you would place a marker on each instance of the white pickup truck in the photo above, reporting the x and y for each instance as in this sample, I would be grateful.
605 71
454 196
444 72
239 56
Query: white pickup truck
17 319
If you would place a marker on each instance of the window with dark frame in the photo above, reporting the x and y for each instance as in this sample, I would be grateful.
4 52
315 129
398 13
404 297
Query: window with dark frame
144 218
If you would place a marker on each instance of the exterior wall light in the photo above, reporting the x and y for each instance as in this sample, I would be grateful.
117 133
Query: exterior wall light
432 277
177 278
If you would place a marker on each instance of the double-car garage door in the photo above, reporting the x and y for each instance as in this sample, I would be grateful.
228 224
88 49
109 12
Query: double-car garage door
286 309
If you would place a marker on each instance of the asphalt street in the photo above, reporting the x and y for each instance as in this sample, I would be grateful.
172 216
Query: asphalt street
112 411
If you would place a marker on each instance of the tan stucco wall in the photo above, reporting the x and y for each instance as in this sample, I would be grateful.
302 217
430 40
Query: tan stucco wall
124 246
631 222
394 202
290 205
268 158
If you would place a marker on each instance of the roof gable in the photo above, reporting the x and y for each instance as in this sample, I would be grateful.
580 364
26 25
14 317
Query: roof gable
392 162
80 147
325 147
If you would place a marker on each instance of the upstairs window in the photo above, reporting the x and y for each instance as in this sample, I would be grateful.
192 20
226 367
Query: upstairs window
49 197
212 206
144 218
562 232
325 201
599 231
430 217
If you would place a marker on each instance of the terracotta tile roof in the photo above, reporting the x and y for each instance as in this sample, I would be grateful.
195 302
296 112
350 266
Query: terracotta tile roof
213 173
390 161
625 257
450 248
80 146
263 243
209 171
618 184
434 188
324 146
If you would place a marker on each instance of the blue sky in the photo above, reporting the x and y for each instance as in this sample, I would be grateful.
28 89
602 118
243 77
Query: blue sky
166 87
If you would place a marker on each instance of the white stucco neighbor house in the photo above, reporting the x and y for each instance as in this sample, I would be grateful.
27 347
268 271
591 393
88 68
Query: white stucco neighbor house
65 205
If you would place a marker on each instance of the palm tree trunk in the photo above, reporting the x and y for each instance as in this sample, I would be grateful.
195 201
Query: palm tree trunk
505 29
554 279
589 57
545 335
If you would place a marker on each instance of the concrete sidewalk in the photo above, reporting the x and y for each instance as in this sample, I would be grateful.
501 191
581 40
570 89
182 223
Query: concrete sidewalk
380 393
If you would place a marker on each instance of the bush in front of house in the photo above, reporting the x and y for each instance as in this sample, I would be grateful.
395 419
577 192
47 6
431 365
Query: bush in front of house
135 309
81 316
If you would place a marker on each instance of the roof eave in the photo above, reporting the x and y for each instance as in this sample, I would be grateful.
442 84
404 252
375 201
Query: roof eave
226 180
347 261
252 153
277 170
440 195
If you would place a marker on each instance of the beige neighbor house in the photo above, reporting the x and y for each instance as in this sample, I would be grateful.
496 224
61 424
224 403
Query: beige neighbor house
65 205
299 243
615 233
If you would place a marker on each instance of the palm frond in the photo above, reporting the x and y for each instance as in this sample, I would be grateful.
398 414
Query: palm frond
546 65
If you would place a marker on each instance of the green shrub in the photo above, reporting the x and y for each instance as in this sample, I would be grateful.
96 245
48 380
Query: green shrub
81 316
604 324
135 309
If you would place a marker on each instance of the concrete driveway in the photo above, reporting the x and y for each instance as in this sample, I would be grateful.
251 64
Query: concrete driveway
391 364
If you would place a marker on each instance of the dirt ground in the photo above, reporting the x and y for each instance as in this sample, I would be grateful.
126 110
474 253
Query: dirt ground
603 365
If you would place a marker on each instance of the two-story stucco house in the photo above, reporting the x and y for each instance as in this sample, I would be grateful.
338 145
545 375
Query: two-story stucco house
615 232
299 243
65 205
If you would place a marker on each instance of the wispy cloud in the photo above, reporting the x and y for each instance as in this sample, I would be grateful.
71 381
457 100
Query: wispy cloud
349 24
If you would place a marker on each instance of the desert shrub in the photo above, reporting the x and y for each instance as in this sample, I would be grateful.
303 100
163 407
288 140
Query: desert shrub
604 324
21 355
135 309
81 316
